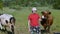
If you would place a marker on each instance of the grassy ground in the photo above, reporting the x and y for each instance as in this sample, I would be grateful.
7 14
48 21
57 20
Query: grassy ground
21 16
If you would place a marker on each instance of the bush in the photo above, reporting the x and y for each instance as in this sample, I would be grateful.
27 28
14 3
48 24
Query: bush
57 4
1 4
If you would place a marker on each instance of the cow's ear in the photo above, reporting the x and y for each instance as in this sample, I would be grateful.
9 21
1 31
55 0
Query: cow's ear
49 12
42 12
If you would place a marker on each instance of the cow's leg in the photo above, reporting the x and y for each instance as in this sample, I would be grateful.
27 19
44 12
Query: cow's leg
5 28
48 29
45 27
12 28
1 27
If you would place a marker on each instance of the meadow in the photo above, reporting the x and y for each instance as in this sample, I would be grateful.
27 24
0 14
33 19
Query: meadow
21 15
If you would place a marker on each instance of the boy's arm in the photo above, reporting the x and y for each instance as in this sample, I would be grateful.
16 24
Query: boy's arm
40 20
29 25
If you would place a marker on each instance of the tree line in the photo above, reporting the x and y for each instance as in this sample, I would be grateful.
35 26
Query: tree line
29 3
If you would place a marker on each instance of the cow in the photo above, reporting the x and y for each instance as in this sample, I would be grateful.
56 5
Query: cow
47 20
7 21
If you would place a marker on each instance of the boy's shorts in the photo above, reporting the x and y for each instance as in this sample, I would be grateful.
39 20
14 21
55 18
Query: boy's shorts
35 29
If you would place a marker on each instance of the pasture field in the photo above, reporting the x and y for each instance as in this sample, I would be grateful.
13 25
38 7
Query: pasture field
21 26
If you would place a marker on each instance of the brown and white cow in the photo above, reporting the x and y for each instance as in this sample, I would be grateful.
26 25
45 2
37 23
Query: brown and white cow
47 20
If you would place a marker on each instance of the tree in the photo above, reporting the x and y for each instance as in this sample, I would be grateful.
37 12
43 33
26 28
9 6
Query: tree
56 5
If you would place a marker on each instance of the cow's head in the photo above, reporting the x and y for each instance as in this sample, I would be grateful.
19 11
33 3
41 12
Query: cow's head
12 20
46 13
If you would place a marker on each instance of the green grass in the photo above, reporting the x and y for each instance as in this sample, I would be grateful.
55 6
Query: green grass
21 16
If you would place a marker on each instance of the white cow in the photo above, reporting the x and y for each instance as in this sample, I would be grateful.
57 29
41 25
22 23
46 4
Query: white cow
5 21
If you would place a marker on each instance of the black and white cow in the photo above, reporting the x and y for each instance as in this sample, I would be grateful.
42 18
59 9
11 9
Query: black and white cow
7 22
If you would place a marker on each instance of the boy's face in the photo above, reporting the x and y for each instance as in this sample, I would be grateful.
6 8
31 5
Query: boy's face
34 11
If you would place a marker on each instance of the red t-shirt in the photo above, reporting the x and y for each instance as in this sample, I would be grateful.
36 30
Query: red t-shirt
34 19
